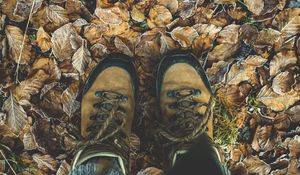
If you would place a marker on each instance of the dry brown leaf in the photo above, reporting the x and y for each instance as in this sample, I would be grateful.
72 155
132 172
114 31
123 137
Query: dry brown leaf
68 99
114 15
229 34
245 70
237 13
57 15
209 30
217 71
172 5
223 52
283 82
46 88
187 8
151 171
23 7
64 168
281 61
255 165
242 117
15 39
43 40
49 66
99 50
16 116
234 96
277 102
184 35
122 46
294 114
81 58
167 44
30 86
8 7
45 162
265 138
267 37
149 44
225 1
63 40
255 6
93 33
159 16
137 14
29 141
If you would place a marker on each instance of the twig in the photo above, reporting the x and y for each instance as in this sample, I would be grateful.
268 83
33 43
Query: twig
8 163
23 41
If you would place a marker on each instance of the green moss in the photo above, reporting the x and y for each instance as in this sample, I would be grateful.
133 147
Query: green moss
225 130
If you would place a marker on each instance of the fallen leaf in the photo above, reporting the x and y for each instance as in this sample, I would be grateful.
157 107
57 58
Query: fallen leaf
265 138
8 7
149 44
57 15
64 168
137 14
15 39
43 40
23 7
62 42
114 15
29 141
267 37
99 50
81 58
30 86
277 102
187 8
46 88
122 46
45 161
184 35
16 116
234 96
223 52
159 16
294 114
172 5
281 61
167 44
283 82
217 71
68 99
245 70
255 165
50 67
93 33
225 1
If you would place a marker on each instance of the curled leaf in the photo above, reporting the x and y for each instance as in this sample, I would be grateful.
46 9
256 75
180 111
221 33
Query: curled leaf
68 99
57 15
255 165
281 61
283 82
159 16
184 35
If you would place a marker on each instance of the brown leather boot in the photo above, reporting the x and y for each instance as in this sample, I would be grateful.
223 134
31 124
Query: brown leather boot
184 98
107 111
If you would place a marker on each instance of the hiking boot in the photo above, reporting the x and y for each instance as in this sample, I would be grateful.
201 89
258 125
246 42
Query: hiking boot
184 98
107 111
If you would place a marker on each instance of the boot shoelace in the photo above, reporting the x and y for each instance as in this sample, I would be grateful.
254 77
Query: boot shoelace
187 121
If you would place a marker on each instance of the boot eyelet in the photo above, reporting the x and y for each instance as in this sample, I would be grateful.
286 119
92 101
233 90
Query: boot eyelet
99 94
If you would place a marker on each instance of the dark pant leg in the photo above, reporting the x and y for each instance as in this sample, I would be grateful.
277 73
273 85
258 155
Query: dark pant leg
201 159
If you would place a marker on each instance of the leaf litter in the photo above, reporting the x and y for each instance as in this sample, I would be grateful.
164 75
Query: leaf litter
249 48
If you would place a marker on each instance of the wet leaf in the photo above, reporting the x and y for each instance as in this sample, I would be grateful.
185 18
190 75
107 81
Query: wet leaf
16 116
184 35
45 162
81 58
15 39
43 40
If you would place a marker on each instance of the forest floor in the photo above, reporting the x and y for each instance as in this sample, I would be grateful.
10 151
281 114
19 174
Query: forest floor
249 48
